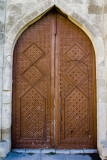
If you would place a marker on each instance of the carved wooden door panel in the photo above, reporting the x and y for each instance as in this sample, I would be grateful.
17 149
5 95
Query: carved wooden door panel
75 82
54 72
33 92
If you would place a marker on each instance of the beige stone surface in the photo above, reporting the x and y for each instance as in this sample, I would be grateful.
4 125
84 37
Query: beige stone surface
17 15
2 33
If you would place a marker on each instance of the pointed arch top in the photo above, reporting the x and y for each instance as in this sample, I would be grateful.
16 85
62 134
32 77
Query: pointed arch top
28 20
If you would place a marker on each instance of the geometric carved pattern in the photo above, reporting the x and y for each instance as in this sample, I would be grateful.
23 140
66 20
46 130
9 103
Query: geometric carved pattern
32 109
84 86
22 61
76 114
83 66
21 85
75 53
76 75
32 75
33 53
42 85
65 64
67 86
32 95
43 65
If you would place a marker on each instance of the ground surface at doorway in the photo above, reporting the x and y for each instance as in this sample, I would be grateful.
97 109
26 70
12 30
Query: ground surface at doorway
50 156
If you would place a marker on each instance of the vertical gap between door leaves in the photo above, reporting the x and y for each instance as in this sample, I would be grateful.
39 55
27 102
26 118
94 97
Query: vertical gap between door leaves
55 15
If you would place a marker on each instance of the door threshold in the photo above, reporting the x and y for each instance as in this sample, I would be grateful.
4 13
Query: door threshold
56 151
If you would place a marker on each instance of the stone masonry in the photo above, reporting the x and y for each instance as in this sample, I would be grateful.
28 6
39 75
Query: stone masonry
15 17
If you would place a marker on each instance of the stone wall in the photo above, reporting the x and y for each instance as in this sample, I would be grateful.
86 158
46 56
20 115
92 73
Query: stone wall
17 15
2 31
103 146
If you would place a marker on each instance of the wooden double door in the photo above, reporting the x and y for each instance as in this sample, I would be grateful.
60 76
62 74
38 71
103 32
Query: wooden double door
54 98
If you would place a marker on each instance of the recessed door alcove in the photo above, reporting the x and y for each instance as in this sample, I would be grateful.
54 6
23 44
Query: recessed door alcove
54 80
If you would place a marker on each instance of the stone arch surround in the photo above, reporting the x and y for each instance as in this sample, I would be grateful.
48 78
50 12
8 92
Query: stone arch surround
11 37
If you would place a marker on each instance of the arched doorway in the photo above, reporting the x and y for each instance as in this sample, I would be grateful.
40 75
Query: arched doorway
54 81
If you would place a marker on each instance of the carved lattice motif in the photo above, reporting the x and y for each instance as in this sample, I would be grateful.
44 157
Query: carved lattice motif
22 61
32 95
65 64
75 53
33 52
43 36
42 85
84 85
43 64
67 86
21 85
83 66
32 109
76 75
33 75
76 117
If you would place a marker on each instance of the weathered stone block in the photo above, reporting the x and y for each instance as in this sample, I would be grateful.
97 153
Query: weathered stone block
89 15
